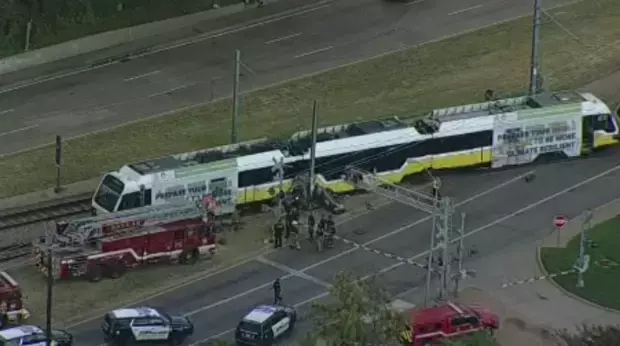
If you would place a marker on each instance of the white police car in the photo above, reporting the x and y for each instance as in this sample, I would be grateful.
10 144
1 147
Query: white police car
145 326
265 324
33 336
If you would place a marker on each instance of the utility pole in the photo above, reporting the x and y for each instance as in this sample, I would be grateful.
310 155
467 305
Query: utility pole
315 121
430 260
235 110
583 258
535 77
50 284
459 252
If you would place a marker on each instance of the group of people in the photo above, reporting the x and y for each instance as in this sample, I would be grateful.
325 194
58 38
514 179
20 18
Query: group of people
320 234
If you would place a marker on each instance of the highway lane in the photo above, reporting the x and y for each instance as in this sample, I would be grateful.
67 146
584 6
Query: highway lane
524 211
325 36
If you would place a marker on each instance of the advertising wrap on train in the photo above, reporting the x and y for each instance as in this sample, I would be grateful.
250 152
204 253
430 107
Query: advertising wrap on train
523 141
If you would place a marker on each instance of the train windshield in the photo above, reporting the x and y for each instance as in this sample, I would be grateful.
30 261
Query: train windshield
109 192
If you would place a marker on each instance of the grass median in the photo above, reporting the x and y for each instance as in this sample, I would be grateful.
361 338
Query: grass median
449 72
602 280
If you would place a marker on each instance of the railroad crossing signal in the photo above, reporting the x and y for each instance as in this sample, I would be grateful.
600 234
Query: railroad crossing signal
560 221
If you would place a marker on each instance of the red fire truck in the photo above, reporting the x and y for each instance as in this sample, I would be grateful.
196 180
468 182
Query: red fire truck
107 245
431 326
11 301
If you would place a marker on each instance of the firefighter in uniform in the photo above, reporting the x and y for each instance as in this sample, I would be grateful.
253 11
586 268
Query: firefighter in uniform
407 336
311 223
278 230
320 233
294 240
436 188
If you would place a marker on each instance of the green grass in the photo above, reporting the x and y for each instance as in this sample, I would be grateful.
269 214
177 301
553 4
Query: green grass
602 280
445 73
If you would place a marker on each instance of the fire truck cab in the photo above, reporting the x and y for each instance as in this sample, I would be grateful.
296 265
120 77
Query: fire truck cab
11 301
107 245
431 326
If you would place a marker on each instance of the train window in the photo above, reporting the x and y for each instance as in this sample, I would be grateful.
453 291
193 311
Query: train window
257 176
133 200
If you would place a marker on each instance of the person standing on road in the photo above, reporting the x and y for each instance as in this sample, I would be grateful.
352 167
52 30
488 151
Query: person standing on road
436 188
311 223
294 241
320 233
277 298
278 230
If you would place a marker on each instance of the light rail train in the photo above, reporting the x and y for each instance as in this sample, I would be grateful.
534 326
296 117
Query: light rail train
497 133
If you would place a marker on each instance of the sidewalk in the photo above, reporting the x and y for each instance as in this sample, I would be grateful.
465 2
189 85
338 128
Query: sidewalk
535 309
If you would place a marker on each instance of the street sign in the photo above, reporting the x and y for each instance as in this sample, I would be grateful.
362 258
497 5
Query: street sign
560 221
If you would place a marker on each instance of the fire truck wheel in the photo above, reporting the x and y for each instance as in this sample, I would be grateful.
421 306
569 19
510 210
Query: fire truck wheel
189 257
115 270
94 273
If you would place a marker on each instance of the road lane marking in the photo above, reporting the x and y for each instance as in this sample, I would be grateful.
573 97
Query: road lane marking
415 2
293 272
214 34
464 10
283 38
343 253
313 52
170 90
18 130
467 234
6 111
141 76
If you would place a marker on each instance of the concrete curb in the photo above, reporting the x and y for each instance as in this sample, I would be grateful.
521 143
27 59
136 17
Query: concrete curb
544 271
109 39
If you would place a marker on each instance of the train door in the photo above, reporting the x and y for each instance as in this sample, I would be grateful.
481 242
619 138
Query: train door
587 134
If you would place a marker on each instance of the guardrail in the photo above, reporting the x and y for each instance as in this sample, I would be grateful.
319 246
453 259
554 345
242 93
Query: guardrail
19 217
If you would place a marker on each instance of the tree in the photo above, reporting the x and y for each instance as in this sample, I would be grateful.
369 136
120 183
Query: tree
359 314
592 335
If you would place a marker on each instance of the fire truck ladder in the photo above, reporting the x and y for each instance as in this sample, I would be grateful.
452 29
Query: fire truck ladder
370 182
82 230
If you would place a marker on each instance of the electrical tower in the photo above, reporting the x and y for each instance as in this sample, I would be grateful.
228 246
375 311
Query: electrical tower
442 235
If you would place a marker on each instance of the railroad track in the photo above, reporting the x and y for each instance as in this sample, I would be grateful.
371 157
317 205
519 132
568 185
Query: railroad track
17 218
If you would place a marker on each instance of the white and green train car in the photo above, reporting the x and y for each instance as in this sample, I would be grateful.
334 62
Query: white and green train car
494 134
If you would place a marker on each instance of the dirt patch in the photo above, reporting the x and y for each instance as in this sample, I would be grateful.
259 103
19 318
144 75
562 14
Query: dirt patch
514 330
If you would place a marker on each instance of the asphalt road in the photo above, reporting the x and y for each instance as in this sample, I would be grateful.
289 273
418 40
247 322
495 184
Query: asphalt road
502 210
331 34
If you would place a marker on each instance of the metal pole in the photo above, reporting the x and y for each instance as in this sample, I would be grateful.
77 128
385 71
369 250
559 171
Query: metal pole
235 115
582 248
315 112
445 229
460 251
28 35
430 259
50 283
59 160
535 59
142 196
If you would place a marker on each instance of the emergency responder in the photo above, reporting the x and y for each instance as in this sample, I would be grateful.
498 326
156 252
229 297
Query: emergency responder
277 298
330 229
311 223
319 236
294 241
4 316
436 187
278 229
407 336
